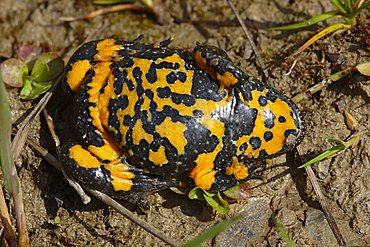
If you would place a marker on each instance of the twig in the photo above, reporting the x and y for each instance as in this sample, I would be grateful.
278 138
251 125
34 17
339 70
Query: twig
106 199
323 84
324 205
85 198
250 39
106 10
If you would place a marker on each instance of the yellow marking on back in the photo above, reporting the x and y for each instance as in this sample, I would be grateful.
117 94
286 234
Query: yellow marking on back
77 74
107 50
83 157
146 107
102 72
104 99
278 108
138 133
174 132
158 157
203 173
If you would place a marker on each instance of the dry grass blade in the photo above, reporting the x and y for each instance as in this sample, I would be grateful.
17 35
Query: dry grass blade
107 10
9 232
331 29
10 175
324 205
250 39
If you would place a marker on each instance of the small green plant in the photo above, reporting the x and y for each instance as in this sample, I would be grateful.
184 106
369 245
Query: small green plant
347 10
34 73
215 200
340 146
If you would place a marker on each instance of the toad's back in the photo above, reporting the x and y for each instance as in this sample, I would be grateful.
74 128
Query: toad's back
171 111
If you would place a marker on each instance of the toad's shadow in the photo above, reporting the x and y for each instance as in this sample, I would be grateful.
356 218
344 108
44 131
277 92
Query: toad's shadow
195 208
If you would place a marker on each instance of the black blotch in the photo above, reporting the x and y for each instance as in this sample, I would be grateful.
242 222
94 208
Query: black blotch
269 121
204 87
120 79
137 73
255 142
127 120
154 54
126 62
182 76
149 93
198 114
187 100
262 154
262 101
114 105
297 120
167 65
141 150
172 77
243 147
151 76
272 95
282 119
268 135
85 52
290 132
163 92
259 85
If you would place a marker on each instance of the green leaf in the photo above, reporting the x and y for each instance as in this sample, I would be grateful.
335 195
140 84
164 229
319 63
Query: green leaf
196 194
13 72
215 200
218 203
364 68
309 22
211 232
48 66
233 192
341 145
340 6
32 89
324 155
348 6
282 231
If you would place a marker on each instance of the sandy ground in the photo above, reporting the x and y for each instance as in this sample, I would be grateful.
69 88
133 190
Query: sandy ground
344 179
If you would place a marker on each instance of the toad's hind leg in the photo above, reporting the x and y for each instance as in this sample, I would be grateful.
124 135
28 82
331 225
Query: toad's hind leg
115 178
